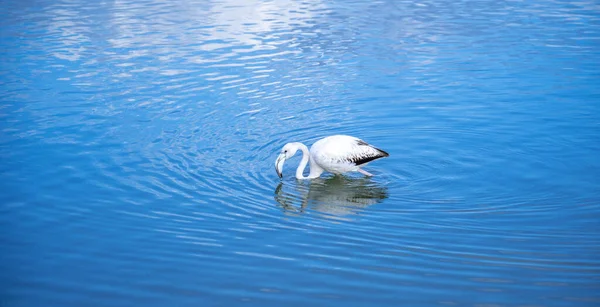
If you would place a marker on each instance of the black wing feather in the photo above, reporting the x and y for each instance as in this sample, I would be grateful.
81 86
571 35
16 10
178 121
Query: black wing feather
368 158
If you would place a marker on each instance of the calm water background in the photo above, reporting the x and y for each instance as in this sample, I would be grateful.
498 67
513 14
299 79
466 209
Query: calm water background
138 139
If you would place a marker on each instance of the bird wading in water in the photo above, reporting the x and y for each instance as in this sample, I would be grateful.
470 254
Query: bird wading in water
336 154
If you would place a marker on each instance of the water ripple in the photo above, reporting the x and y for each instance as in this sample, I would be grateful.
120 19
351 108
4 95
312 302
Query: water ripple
139 137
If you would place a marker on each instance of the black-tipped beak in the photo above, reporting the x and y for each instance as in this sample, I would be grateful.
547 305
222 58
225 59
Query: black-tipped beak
279 165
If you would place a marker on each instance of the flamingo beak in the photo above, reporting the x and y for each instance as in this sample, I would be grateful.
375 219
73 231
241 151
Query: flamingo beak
279 165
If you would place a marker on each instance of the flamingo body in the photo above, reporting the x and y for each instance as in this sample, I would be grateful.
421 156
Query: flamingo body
336 154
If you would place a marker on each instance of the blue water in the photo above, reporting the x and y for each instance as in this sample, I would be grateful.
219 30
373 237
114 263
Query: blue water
138 141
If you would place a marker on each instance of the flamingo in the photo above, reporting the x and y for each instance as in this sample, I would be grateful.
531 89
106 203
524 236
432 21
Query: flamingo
336 154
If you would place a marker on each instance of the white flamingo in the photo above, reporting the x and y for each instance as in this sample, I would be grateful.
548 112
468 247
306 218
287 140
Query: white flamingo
336 154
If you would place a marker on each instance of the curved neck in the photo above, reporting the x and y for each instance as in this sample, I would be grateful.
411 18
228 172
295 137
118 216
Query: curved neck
315 170
305 159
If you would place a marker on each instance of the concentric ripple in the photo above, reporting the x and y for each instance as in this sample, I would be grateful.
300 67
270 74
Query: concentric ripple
138 139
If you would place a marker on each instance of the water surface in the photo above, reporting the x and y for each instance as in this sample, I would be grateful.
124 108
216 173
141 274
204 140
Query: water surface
138 139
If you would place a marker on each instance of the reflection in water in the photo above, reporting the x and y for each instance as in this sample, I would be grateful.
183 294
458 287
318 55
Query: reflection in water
337 195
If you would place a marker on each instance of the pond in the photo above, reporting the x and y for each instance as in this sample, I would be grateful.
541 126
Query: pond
138 142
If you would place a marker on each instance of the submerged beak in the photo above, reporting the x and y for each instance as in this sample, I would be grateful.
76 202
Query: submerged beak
279 165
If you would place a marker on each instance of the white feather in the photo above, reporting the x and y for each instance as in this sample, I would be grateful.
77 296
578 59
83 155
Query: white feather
336 154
